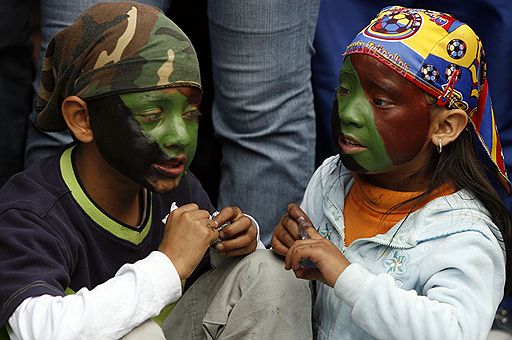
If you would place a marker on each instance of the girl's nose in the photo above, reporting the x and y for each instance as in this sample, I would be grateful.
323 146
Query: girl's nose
352 110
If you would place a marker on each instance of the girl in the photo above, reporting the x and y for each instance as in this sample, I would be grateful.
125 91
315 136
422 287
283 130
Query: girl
410 235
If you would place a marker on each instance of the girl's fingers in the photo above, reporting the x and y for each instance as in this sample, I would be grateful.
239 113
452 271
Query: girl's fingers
278 247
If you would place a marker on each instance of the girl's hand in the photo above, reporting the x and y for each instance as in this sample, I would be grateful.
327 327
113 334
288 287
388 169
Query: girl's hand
328 259
288 230
238 236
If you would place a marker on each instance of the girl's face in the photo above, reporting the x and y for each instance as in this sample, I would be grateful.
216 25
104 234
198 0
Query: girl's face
384 120
154 141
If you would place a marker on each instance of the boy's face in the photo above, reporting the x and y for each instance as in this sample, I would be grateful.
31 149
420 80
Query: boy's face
154 143
384 120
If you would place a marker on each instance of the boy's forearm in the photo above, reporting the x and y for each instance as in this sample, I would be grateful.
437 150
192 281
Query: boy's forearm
138 292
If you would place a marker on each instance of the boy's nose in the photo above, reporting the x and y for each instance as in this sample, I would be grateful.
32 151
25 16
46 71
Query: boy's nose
175 134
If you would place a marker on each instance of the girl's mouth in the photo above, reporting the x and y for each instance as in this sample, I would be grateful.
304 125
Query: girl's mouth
349 145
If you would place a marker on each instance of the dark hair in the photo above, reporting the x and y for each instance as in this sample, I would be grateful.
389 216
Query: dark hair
458 164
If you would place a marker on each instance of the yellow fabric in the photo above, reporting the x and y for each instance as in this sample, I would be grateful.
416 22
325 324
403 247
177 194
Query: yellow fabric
367 208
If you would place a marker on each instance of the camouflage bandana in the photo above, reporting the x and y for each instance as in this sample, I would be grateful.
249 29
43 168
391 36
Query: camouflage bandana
113 48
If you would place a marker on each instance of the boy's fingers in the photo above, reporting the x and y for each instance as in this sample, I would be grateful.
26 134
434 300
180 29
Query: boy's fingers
239 241
238 251
240 226
187 207
227 214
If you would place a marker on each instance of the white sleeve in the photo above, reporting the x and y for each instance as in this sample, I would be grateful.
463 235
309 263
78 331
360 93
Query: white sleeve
260 244
462 284
109 311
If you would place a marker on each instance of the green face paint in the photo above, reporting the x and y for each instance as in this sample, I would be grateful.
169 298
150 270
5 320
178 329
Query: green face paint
169 118
362 148
149 137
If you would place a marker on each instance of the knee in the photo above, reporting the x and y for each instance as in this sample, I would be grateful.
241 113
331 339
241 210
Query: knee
265 270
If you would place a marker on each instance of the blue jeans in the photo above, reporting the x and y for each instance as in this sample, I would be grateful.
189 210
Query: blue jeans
15 84
56 15
263 103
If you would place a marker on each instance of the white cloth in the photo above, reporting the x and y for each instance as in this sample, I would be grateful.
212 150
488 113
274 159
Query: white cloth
109 311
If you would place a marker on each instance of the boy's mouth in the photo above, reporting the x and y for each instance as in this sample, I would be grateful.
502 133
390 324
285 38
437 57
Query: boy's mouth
349 145
172 167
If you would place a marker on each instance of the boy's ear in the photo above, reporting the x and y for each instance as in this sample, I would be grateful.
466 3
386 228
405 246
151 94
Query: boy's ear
76 115
448 126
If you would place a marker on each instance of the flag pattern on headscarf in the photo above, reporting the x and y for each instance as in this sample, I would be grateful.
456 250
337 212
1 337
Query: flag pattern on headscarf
445 58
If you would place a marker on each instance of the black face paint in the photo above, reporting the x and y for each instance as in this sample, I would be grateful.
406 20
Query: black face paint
121 142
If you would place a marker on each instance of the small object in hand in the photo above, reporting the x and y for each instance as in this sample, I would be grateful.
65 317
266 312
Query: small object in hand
222 226
173 207
219 229
303 225
214 243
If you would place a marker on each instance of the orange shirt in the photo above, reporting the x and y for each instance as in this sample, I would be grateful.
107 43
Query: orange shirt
367 208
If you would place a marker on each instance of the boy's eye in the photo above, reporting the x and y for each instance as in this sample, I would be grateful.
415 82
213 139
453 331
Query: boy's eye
150 116
192 115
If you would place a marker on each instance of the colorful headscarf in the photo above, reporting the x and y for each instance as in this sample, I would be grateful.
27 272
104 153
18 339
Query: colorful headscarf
113 48
446 59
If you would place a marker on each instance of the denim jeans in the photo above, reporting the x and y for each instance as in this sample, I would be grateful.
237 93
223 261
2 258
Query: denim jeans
56 15
263 104
15 84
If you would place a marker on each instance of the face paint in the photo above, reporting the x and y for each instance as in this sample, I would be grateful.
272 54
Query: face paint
361 147
384 119
150 137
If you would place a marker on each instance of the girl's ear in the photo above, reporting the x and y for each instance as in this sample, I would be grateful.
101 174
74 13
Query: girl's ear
76 115
448 126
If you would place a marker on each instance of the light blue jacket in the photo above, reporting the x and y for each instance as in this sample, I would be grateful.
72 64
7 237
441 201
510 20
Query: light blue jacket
439 276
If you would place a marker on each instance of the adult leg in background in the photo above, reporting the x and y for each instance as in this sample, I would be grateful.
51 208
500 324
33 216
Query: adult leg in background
263 103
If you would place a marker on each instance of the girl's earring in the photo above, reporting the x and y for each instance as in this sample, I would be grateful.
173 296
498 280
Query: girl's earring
439 146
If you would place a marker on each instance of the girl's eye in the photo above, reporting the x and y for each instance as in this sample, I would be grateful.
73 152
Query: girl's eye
379 102
192 115
342 91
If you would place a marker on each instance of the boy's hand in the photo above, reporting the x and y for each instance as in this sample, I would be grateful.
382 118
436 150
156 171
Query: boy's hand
291 227
328 259
238 236
187 235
